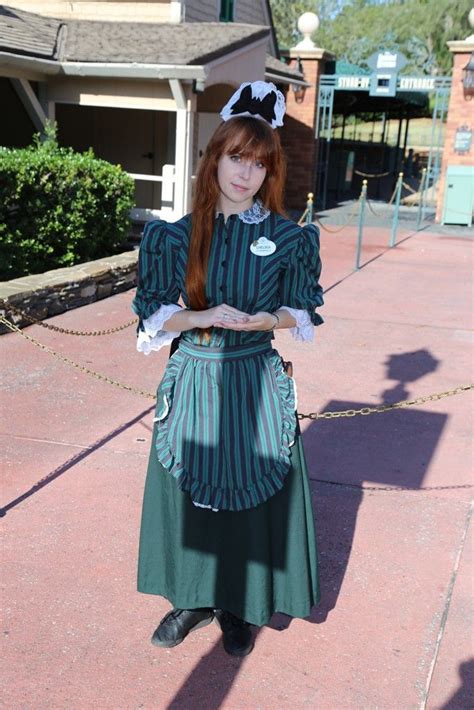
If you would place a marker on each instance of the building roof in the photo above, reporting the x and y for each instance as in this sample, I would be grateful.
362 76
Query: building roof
185 43
28 34
279 68
192 43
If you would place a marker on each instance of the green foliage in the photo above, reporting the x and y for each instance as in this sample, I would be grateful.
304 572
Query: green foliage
354 30
285 17
59 208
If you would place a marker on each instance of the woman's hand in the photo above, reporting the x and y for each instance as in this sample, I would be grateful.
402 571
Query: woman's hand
222 316
260 321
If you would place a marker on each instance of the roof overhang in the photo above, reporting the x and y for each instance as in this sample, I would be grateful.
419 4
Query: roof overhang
98 69
285 79
247 62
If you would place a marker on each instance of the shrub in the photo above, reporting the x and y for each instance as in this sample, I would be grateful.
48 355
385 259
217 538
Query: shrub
59 208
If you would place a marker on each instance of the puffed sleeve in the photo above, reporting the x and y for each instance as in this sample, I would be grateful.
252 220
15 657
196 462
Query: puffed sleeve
157 284
299 281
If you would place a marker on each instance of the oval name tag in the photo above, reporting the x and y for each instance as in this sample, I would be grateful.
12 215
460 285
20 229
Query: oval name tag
263 247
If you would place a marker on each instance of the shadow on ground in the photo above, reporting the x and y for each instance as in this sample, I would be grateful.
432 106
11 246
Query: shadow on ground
73 460
390 449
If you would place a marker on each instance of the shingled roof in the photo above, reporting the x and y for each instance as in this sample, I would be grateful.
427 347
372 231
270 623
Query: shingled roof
185 43
277 67
29 34
192 43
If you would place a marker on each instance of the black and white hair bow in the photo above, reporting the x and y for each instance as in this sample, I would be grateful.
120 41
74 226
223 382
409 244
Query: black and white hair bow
259 99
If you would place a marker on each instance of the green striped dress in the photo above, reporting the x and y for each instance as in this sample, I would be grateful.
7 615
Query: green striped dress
227 519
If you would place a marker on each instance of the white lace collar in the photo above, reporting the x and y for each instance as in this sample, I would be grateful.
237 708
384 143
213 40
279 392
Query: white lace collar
253 215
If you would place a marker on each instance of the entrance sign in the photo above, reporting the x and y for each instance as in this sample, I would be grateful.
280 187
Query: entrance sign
356 83
385 66
383 84
416 83
384 81
390 61
387 61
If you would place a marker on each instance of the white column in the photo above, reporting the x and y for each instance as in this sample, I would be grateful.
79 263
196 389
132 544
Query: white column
183 149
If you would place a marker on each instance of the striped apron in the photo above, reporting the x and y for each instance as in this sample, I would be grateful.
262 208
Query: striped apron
226 420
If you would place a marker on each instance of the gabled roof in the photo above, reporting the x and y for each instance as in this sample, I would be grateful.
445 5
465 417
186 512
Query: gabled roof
192 43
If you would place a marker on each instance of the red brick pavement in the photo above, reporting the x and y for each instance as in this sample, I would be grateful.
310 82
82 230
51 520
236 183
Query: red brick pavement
392 630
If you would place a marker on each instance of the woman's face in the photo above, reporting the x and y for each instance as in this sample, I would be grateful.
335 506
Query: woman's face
240 179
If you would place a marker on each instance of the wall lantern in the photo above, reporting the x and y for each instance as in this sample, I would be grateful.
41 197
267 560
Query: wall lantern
299 90
468 78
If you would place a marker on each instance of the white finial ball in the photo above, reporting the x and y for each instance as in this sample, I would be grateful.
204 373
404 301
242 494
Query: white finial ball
308 23
471 18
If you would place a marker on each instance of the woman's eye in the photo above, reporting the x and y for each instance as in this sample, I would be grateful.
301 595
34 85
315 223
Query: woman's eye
259 164
235 158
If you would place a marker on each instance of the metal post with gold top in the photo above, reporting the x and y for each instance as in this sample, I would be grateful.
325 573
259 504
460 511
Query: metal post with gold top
309 209
393 235
362 201
421 202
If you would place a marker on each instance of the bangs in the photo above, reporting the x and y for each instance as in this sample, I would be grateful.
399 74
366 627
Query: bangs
251 141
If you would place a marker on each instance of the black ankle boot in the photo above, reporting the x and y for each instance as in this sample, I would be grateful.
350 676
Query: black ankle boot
176 625
237 635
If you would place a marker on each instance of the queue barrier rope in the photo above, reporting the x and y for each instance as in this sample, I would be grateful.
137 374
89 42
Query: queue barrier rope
385 212
363 411
372 175
409 188
335 230
302 218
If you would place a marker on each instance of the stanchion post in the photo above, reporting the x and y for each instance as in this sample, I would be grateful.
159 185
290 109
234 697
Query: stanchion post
362 201
309 209
393 235
421 203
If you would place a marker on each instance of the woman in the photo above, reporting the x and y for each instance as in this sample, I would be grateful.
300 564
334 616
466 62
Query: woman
227 528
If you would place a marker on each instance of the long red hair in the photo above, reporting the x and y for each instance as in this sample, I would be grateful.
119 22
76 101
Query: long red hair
252 139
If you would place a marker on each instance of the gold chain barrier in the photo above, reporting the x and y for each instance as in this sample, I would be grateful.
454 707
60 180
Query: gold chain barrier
66 331
364 411
76 365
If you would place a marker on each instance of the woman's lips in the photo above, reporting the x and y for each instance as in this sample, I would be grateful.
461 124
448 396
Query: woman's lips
239 187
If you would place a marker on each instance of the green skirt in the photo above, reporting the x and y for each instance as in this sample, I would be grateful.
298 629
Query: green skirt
253 562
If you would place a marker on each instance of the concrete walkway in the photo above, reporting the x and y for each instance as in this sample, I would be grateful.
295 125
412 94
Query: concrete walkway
393 631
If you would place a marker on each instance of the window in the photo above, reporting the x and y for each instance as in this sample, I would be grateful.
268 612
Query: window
226 13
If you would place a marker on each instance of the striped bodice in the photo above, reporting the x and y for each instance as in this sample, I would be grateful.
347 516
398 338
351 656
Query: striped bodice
236 275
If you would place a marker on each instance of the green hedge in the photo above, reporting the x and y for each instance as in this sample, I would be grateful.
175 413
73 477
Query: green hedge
59 208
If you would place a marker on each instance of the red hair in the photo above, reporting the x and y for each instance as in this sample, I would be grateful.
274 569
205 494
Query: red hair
252 139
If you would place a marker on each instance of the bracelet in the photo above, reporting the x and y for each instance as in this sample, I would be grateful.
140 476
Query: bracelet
275 315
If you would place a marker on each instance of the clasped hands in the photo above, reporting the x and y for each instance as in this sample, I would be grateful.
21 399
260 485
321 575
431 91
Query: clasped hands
225 316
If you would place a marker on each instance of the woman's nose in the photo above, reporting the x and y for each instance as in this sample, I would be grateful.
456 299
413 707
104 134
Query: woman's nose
244 171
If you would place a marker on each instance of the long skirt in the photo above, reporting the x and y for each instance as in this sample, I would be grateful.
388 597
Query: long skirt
252 562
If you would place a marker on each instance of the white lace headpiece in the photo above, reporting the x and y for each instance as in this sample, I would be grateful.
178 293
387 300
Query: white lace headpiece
259 99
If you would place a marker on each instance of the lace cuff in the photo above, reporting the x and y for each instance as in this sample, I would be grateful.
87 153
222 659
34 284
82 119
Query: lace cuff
153 337
304 329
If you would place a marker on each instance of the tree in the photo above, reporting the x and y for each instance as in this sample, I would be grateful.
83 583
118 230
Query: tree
286 14
354 30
